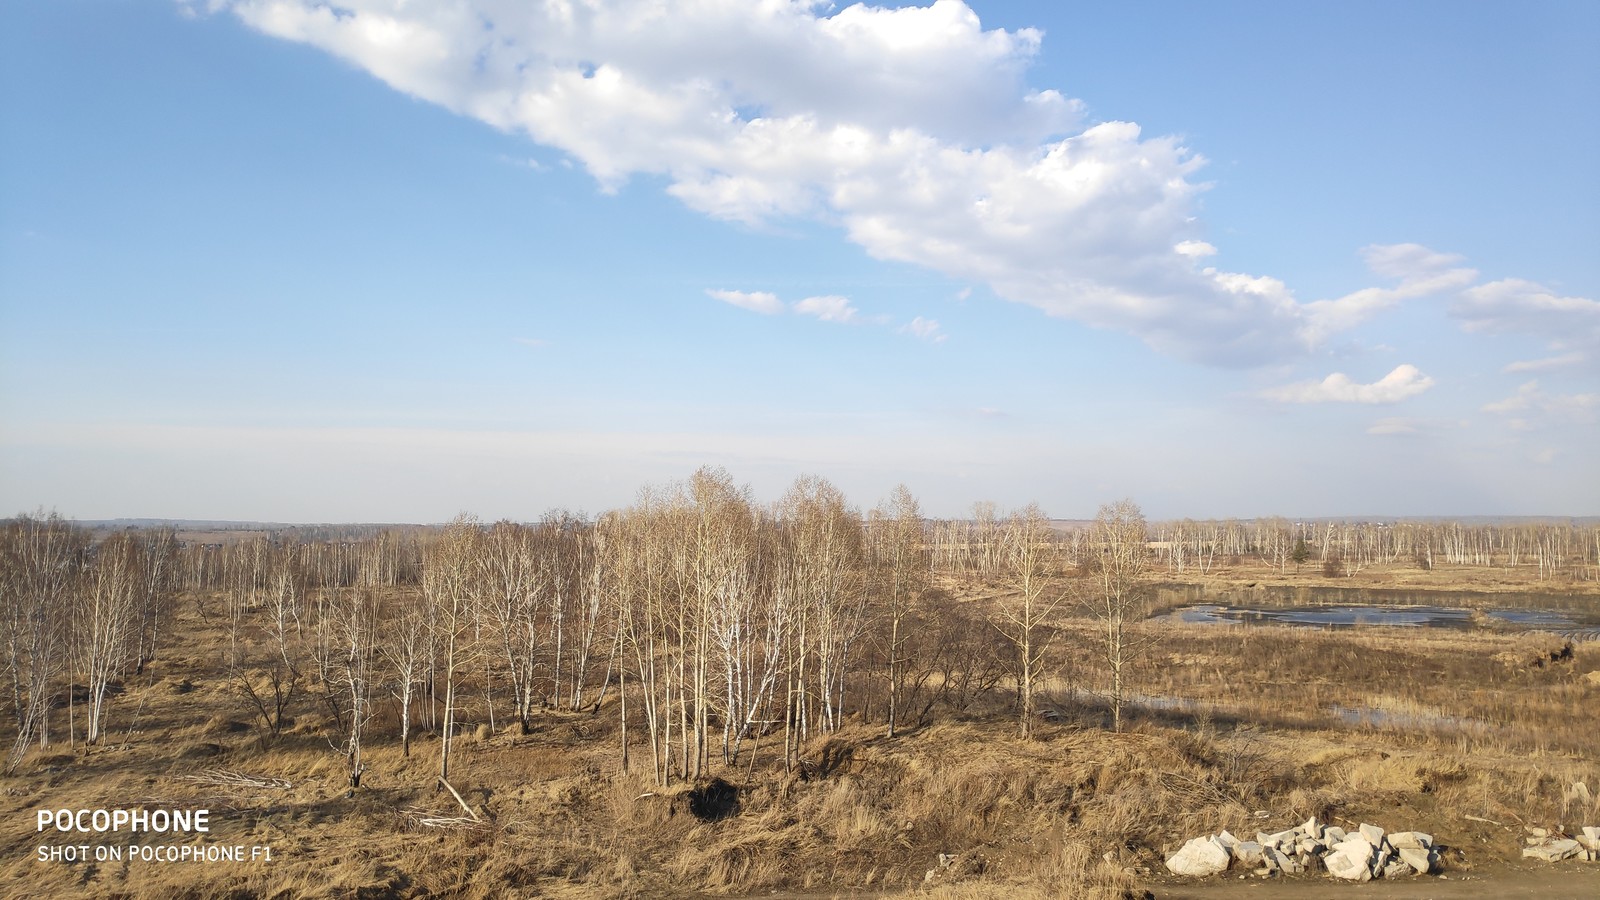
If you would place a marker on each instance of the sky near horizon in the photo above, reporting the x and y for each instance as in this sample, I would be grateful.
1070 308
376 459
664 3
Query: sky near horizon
371 260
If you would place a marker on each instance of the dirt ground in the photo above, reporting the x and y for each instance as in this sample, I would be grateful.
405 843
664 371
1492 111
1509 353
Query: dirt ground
1558 881
565 822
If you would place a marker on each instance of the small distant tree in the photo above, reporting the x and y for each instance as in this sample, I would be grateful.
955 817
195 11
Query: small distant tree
1301 552
264 664
1333 567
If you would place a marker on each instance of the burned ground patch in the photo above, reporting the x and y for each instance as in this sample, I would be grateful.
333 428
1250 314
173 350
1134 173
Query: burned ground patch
714 801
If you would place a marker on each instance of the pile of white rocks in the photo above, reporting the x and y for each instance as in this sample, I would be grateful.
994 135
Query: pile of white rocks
1554 848
1360 855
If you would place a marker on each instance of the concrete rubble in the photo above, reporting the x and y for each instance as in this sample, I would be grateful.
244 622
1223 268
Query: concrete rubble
1201 857
1361 855
1366 853
1543 844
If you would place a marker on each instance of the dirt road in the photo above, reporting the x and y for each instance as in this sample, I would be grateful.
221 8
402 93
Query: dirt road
1568 881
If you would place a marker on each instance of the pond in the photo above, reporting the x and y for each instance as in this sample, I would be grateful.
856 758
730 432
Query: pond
1576 616
1391 616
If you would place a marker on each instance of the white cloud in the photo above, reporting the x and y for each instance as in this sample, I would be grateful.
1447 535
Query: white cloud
535 343
829 308
1405 381
912 129
755 301
1514 305
927 329
1420 271
523 162
1531 406
1394 425
1539 365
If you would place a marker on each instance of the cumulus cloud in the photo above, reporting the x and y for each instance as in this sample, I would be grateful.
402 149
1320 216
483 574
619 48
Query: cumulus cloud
829 308
927 329
1405 381
755 301
912 129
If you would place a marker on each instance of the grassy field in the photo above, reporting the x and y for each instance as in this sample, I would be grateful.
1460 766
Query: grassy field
1470 736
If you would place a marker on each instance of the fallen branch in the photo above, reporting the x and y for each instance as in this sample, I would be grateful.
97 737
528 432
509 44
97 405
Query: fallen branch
423 817
459 800
1485 821
224 778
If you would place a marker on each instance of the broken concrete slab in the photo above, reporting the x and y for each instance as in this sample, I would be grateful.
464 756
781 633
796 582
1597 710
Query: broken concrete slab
1553 851
1200 857
1351 868
1414 840
1248 853
1418 859
1397 868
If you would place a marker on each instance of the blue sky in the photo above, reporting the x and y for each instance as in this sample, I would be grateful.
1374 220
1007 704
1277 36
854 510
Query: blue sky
375 261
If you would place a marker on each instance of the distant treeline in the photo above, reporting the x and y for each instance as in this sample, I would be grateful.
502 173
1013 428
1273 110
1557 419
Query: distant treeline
1558 549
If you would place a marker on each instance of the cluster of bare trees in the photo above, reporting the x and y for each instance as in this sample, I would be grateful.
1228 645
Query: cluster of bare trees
713 622
1557 548
75 618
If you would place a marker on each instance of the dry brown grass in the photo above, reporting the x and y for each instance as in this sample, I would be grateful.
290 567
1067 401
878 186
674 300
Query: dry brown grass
1074 812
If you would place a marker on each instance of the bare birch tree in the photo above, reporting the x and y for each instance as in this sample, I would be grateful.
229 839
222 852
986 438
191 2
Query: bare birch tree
1029 551
354 614
899 542
447 588
104 617
1119 558
41 561
404 643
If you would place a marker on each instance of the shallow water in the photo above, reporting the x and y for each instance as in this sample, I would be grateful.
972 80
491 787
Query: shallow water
1583 608
1574 616
1349 616
1372 716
